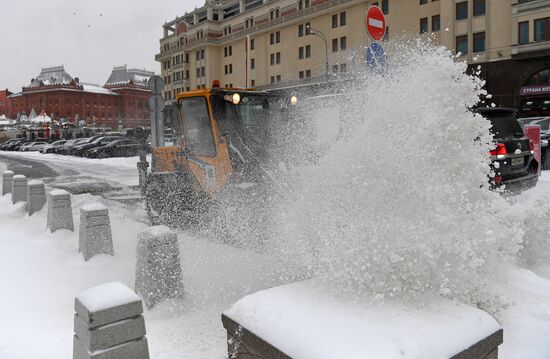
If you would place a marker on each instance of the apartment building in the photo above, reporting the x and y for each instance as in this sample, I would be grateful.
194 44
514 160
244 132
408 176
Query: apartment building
262 43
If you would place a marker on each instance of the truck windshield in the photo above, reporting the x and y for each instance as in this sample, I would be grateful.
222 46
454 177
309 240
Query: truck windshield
197 128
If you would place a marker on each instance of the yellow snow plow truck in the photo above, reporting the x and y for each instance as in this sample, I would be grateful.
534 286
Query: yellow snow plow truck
213 146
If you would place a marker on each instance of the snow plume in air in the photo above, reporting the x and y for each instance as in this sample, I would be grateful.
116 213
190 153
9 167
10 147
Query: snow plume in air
398 205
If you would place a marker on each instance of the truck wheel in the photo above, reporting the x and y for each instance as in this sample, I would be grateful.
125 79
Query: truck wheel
168 203
546 160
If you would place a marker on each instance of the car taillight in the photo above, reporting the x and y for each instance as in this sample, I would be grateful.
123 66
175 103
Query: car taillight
497 180
532 146
500 150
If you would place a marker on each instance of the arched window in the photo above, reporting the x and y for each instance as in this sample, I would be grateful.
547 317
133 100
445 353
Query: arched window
540 78
300 5
277 13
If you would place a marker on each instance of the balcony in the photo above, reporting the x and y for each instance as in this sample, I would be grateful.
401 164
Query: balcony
529 5
530 48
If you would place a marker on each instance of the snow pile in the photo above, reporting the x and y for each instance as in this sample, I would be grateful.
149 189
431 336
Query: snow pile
306 323
399 206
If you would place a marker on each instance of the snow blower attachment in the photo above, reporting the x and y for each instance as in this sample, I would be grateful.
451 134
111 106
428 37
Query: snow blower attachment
213 141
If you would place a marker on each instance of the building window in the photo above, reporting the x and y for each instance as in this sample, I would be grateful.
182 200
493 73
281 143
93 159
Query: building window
277 13
197 55
251 44
278 58
272 38
230 50
462 10
277 37
308 29
225 52
423 25
462 44
198 72
225 68
542 29
343 43
423 2
343 67
230 68
479 42
272 59
202 54
300 52
300 30
272 79
343 18
278 78
334 45
385 7
334 21
186 57
479 7
252 64
436 23
308 51
300 5
252 83
523 32
308 74
301 75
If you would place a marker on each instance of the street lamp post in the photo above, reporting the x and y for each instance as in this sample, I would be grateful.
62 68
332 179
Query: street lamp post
316 32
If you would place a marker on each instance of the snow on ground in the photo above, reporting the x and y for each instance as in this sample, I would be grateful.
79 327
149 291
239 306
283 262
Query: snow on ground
124 169
42 273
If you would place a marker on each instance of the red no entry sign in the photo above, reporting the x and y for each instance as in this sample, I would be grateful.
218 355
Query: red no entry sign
376 23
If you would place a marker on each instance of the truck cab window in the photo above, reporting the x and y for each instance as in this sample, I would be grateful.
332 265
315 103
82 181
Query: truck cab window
197 127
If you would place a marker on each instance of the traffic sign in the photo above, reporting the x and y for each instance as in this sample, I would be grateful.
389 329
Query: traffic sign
156 103
156 84
375 56
376 23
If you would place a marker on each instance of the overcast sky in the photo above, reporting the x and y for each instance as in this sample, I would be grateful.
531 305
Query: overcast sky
88 37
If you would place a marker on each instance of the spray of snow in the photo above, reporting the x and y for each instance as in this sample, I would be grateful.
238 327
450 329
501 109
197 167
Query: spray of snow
398 205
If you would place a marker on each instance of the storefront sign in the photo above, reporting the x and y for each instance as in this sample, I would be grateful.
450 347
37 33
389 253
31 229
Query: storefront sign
534 90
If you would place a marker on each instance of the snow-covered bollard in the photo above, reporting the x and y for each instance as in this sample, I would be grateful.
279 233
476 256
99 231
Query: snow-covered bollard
36 196
95 231
60 212
19 188
158 267
108 324
300 320
7 178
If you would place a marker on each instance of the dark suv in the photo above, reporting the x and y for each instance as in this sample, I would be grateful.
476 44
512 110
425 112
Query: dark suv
513 156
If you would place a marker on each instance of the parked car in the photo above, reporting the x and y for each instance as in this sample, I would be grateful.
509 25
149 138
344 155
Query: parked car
33 146
79 150
50 148
16 145
544 123
513 157
8 143
64 148
124 147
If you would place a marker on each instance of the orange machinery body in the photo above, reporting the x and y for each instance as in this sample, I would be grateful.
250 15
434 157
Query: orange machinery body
169 158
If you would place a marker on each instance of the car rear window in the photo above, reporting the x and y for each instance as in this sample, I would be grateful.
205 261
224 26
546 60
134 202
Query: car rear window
504 123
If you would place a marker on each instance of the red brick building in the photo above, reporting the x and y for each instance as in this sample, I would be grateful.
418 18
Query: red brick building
4 108
121 101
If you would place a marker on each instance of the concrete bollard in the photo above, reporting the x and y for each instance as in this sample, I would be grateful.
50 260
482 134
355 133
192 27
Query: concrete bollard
36 196
158 267
7 180
109 324
95 231
19 188
60 213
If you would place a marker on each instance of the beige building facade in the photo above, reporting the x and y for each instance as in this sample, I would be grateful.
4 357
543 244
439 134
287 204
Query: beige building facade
262 43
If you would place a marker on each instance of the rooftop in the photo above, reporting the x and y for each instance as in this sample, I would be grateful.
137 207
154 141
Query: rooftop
52 76
123 75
